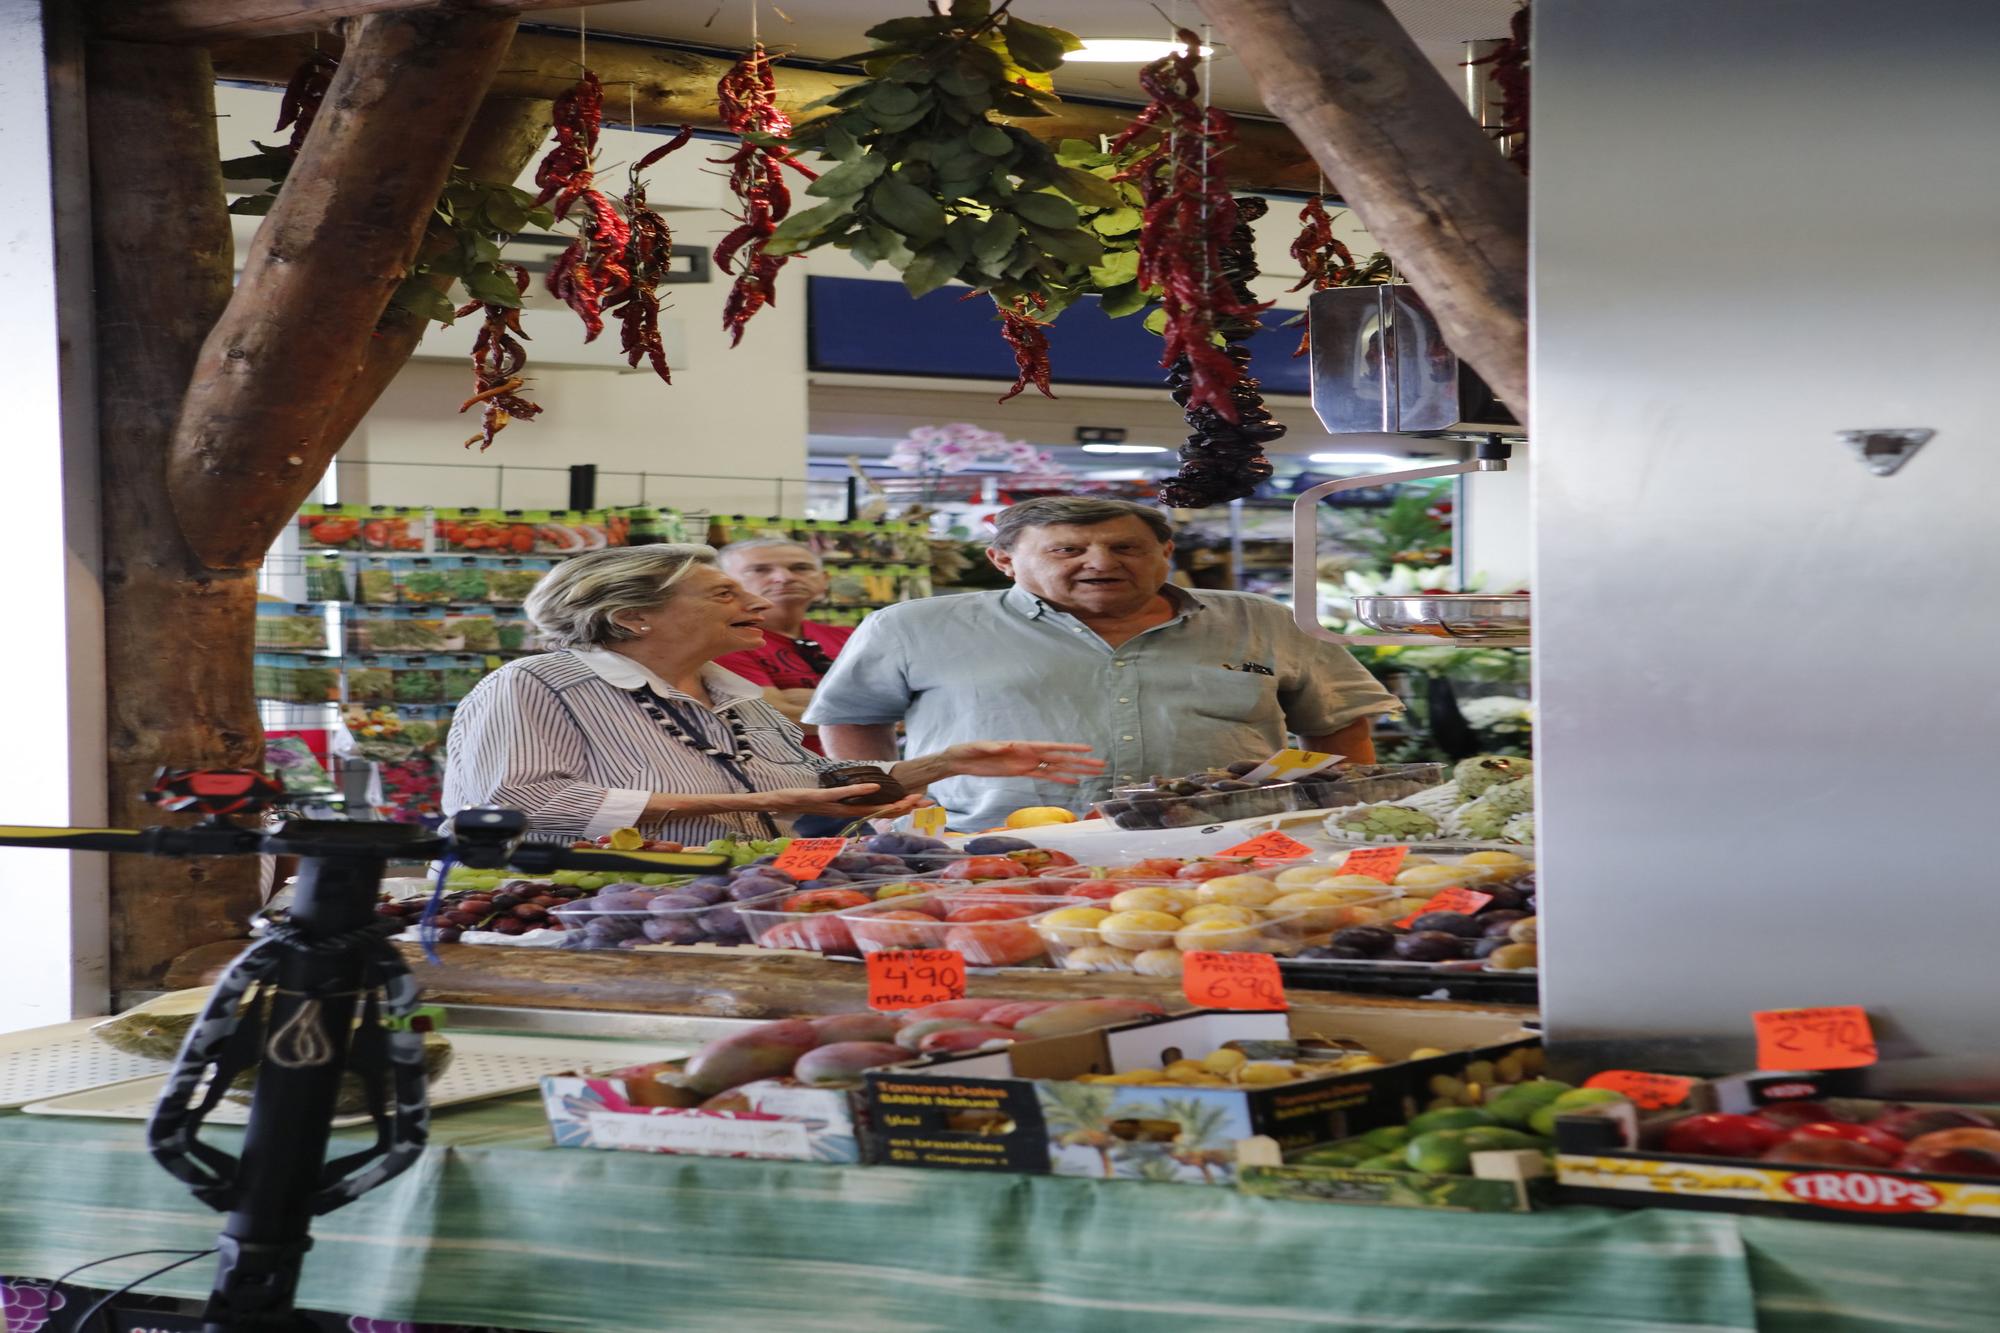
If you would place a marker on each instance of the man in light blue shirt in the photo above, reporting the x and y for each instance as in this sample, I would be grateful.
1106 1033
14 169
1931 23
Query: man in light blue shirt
1091 644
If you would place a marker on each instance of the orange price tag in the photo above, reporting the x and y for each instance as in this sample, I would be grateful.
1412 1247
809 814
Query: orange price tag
806 857
1837 1037
1232 980
1375 862
1453 899
1272 846
1654 1092
913 978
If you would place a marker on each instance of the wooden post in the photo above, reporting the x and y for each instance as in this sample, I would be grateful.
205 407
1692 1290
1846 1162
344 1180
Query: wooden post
252 439
177 634
1405 155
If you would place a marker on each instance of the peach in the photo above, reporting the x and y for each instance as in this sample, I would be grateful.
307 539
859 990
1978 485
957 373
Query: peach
1226 936
1074 926
1174 901
1242 916
1139 929
1237 890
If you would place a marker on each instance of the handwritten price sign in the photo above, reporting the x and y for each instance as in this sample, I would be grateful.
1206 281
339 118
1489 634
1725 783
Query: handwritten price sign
1382 863
913 978
1453 899
1232 980
1272 846
1838 1037
806 857
1653 1092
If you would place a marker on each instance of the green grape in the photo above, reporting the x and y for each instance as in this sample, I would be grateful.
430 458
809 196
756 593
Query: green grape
567 877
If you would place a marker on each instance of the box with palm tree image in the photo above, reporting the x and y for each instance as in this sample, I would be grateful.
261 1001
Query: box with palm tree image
1173 1099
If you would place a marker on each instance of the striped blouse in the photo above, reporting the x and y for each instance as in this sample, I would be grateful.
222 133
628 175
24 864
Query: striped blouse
562 738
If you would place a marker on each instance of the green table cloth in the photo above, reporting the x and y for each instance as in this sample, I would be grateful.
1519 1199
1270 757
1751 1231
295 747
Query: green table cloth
495 1226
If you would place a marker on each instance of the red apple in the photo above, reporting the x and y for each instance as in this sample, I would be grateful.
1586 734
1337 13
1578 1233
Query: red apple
1829 1152
1868 1134
1951 1161
1719 1135
1913 1122
1793 1114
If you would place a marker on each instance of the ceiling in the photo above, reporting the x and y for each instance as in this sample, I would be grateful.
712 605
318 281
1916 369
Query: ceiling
825 29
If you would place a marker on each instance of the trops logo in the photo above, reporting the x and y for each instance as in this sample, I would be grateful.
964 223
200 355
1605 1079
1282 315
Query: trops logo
1859 1192
1791 1091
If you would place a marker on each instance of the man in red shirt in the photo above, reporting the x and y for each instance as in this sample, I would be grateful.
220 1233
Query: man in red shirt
797 653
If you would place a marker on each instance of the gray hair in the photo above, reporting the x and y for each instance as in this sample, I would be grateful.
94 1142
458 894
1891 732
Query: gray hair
1078 510
749 544
573 605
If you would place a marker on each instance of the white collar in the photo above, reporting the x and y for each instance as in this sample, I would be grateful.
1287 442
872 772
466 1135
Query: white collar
725 687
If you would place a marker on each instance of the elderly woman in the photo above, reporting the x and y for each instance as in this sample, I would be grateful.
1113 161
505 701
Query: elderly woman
631 723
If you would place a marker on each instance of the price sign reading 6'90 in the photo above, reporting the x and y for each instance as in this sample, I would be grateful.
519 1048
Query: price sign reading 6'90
913 978
1232 980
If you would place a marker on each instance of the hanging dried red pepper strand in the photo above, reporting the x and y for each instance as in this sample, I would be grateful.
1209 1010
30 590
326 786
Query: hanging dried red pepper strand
303 96
1321 257
1028 337
747 103
591 274
1510 72
648 252
497 361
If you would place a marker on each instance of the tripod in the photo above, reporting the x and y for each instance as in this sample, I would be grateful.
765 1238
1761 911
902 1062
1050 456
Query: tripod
320 995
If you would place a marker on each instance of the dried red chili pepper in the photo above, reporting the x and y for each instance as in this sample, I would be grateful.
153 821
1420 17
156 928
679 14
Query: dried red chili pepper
497 361
648 252
747 103
1323 260
1510 72
1028 337
303 96
591 274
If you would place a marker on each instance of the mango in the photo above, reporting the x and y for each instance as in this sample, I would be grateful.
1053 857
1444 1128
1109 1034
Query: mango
1385 1162
766 1051
972 1037
1443 1152
1513 1105
975 1010
1334 1156
1453 1117
855 1027
840 1063
911 1035
1543 1122
1013 1011
1498 1138
1389 1138
1083 1015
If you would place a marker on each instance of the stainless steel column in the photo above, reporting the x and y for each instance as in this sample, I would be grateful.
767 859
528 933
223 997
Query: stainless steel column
1769 681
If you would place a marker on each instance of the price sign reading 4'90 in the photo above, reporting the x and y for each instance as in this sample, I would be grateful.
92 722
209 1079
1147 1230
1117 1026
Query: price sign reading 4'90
1232 980
1836 1037
913 978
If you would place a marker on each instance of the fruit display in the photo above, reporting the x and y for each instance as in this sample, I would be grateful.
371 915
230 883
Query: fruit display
1500 934
506 906
992 924
1231 1066
1887 1136
702 910
1490 798
811 918
1218 795
1147 927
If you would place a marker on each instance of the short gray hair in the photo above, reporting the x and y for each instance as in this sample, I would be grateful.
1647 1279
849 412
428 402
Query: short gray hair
1079 510
573 605
749 544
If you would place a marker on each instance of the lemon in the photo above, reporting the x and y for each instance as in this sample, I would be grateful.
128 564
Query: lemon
1034 816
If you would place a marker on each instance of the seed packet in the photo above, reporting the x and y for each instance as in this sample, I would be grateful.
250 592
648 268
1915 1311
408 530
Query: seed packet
332 526
484 531
617 525
474 628
847 585
844 541
400 629
881 540
390 735
463 671
298 770
424 579
508 582
416 681
645 525
375 579
293 626
913 541
326 578
726 528
514 631
879 583
294 679
392 528
369 680
569 531
913 582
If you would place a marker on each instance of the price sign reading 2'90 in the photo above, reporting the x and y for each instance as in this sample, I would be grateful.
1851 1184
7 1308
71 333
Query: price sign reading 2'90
913 978
1232 980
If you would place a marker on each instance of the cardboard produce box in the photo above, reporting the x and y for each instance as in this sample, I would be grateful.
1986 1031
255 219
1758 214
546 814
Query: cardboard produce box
1022 1109
1613 1155
779 1120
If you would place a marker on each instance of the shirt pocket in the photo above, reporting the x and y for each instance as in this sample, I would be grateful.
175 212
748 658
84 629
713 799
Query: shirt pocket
1236 696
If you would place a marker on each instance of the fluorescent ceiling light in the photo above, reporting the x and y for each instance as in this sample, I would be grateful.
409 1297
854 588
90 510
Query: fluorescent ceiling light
1124 448
1124 51
1356 458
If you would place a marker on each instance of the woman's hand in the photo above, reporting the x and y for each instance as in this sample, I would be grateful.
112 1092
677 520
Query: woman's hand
827 801
1047 761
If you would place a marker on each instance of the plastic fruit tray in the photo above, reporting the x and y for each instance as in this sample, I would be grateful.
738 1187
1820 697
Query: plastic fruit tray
992 929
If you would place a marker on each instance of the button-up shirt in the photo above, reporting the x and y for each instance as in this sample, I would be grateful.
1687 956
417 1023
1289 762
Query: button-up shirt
1223 680
562 738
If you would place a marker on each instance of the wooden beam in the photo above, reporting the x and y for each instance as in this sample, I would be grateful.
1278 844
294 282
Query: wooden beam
205 21
177 634
253 435
1407 158
669 87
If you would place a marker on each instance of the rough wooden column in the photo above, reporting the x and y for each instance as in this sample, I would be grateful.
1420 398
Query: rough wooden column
177 635
1400 147
253 436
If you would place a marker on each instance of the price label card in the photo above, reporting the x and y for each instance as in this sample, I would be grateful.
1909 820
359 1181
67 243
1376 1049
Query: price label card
928 820
1453 899
806 857
1272 846
1291 765
913 978
1654 1092
1383 863
1838 1037
1232 980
